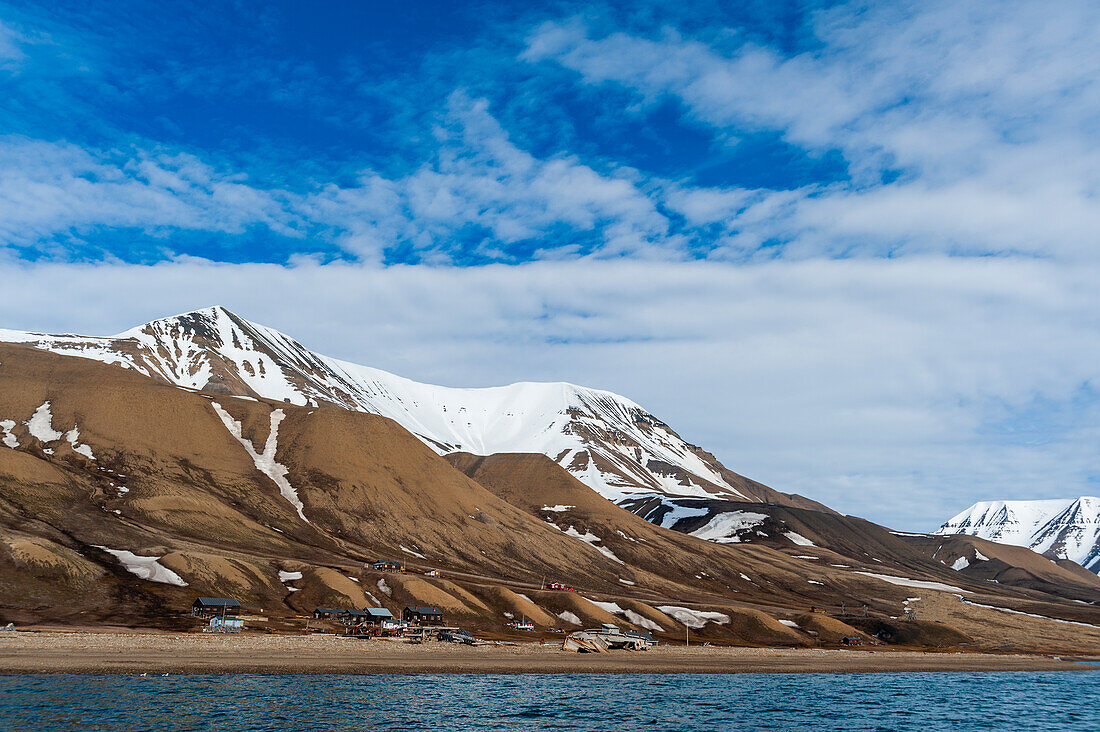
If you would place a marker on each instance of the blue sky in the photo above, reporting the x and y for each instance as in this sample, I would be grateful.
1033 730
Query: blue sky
849 247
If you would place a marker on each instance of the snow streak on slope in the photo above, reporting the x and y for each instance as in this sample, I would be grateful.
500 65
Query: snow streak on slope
1066 528
608 442
265 461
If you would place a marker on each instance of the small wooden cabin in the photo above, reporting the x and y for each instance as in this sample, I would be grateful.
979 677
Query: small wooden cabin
377 615
387 565
422 615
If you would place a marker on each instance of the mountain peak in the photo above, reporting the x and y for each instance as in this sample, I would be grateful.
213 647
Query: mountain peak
1064 528
607 441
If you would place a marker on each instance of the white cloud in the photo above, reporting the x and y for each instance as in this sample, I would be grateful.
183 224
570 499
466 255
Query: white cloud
55 188
900 390
985 110
478 177
11 55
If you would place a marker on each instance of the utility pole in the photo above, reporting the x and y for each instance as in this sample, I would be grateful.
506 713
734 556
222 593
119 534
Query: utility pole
687 635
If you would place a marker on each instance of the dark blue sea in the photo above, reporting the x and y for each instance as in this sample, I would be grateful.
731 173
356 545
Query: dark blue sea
682 702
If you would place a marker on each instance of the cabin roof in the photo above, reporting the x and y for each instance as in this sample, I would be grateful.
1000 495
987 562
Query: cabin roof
423 610
378 612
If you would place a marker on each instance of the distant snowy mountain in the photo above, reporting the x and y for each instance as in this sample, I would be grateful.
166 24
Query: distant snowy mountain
1060 529
605 440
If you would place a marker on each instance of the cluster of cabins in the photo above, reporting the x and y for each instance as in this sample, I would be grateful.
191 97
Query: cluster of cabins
223 615
380 621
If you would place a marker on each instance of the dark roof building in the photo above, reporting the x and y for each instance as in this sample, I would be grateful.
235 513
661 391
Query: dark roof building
205 607
387 565
328 612
422 615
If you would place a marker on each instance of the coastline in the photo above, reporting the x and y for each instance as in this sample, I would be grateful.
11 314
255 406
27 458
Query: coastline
187 653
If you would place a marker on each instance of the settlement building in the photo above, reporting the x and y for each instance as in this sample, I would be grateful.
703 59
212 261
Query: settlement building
324 613
208 607
420 615
377 616
386 565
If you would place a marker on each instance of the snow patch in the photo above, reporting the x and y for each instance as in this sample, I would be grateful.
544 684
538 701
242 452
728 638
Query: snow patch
7 425
557 509
385 589
642 621
588 538
722 528
285 577
147 568
693 618
681 512
608 607
40 424
265 461
626 582
798 539
410 551
73 436
569 617
960 564
789 623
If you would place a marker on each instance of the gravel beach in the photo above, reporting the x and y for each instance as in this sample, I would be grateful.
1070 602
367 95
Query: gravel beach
186 653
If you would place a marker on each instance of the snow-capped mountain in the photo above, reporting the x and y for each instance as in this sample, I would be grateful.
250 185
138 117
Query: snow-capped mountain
607 441
1066 528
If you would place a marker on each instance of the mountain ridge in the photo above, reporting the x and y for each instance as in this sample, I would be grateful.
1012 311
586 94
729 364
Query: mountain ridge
1060 528
607 441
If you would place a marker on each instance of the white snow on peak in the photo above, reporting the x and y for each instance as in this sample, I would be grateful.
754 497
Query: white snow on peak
40 424
147 568
1066 528
264 461
9 439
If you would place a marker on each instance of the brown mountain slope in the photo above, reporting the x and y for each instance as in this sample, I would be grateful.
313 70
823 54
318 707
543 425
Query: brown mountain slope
167 475
122 498
980 559
839 572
